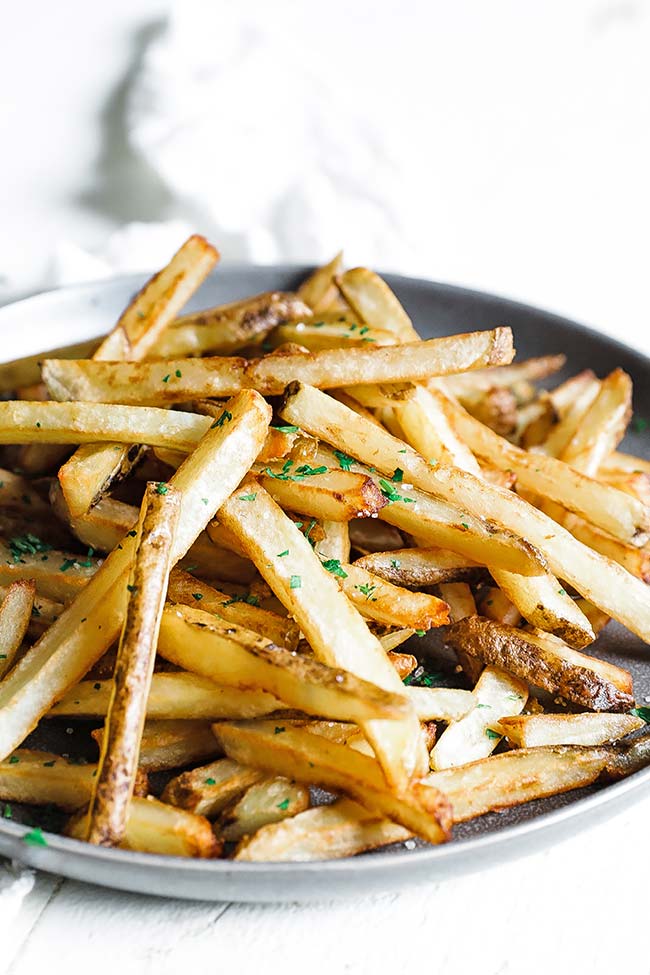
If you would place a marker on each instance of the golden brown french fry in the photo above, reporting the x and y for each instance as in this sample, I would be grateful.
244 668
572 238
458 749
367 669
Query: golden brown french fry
227 328
495 605
427 429
341 332
533 730
143 382
312 759
184 588
170 743
379 600
420 567
603 425
440 703
341 829
58 575
15 616
375 396
155 827
231 655
17 496
27 371
474 736
605 583
173 696
636 483
373 300
90 624
334 495
618 462
460 600
118 760
497 409
546 605
316 290
40 778
546 662
270 801
335 543
208 790
485 379
334 628
635 560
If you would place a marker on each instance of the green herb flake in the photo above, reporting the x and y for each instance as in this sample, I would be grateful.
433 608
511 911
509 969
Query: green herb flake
225 417
422 678
210 781
7 811
35 837
166 378
398 475
247 497
161 488
286 429
278 730
198 596
281 555
13 760
492 735
284 805
295 582
334 566
367 590
178 374
27 544
562 592
97 686
419 632
464 524
38 426
131 588
67 564
391 494
345 461
639 424
49 764
132 533
395 564
643 713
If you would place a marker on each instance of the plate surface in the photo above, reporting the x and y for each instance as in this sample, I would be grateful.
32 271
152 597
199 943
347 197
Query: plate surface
71 314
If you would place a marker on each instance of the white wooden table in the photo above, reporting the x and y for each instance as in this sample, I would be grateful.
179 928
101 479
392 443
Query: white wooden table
534 184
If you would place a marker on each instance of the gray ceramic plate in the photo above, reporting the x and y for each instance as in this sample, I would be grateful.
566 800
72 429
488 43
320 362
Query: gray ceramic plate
48 320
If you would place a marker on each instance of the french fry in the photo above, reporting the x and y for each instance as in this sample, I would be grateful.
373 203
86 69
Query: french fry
404 663
312 759
334 495
635 560
546 605
155 827
369 535
636 483
533 730
373 300
270 801
603 425
231 655
317 290
495 605
336 541
441 703
184 588
474 736
528 370
341 829
603 582
377 396
209 789
427 429
227 328
40 778
169 744
330 331
334 628
379 600
460 600
173 696
420 567
27 371
15 616
618 462
58 575
497 409
90 624
544 661
136 655
143 382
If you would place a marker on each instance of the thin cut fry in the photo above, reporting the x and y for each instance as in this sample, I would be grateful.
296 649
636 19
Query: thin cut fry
533 730
316 290
15 617
270 801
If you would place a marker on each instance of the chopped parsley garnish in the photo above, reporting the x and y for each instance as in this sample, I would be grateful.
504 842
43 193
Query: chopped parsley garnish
395 564
35 837
132 533
398 475
643 713
13 760
38 425
197 595
210 781
334 566
367 590
166 378
97 686
286 429
278 730
248 497
345 461
391 494
88 563
246 597
27 545
464 524
295 582
421 677
225 417
513 697
132 588
281 555
362 331
178 374
49 764
7 812
562 592
284 805
67 564
639 424
419 632
161 487
492 735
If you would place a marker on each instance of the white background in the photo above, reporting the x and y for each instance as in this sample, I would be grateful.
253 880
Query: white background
503 145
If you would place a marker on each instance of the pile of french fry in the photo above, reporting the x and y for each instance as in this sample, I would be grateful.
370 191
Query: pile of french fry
220 528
